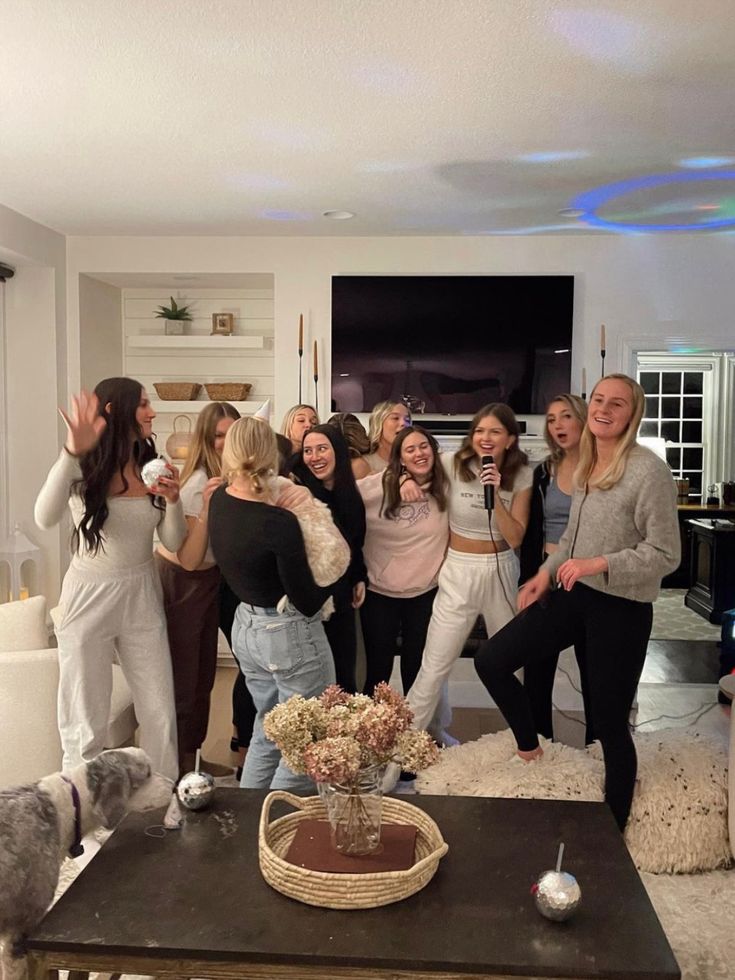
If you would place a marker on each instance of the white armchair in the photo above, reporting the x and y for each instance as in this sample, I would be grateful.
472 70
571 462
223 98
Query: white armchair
29 680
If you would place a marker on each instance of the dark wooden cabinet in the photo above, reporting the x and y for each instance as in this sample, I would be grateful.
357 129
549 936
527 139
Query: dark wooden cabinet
682 577
712 566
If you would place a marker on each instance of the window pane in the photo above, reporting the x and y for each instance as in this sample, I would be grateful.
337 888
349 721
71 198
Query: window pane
692 459
673 458
693 382
692 408
649 381
691 432
670 431
652 408
649 428
671 382
670 408
695 482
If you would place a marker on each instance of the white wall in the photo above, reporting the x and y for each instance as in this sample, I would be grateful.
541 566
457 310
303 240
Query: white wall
100 331
652 292
35 374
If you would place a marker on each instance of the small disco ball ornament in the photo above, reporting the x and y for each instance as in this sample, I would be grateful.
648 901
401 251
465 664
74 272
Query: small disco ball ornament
557 895
153 470
195 790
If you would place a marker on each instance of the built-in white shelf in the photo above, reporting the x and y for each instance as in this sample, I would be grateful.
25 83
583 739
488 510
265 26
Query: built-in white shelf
195 406
196 342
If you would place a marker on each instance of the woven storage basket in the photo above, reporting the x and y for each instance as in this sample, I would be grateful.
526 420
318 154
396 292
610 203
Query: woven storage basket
173 391
344 891
228 391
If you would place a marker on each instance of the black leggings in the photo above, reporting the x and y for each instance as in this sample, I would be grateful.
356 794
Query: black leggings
385 618
614 632
341 630
538 681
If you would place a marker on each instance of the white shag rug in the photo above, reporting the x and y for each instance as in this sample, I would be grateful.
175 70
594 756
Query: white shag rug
678 821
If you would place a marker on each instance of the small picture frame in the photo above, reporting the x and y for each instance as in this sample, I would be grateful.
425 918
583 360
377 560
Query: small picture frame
223 323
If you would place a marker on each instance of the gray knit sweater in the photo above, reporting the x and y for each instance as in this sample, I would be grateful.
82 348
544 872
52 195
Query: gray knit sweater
634 525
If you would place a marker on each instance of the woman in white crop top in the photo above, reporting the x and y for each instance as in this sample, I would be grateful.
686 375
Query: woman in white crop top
111 604
480 574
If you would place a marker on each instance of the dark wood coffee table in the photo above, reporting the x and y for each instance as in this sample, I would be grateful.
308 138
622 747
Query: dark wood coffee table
194 904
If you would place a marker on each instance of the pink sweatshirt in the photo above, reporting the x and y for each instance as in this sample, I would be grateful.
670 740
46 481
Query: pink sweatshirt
403 555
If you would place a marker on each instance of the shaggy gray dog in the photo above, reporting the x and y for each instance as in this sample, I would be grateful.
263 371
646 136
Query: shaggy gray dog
42 823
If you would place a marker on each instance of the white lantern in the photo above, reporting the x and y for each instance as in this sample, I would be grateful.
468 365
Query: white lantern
16 551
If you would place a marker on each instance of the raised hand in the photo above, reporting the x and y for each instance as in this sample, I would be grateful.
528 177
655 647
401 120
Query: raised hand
84 424
490 476
167 486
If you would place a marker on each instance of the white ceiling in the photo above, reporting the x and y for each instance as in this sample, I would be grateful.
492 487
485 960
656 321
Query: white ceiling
252 117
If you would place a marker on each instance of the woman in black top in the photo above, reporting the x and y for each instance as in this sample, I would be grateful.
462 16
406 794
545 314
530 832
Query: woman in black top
323 465
277 635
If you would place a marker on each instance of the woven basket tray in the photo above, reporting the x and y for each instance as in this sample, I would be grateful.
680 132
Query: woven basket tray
228 391
344 891
174 391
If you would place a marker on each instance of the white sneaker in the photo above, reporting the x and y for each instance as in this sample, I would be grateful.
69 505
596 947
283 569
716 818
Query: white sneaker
391 777
405 787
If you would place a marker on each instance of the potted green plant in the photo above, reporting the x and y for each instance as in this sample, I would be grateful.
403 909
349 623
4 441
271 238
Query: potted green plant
174 316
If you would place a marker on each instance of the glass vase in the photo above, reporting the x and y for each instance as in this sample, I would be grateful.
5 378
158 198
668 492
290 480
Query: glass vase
354 811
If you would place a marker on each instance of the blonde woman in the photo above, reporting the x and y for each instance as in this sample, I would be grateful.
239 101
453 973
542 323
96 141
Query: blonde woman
622 538
386 421
260 550
296 423
191 587
551 499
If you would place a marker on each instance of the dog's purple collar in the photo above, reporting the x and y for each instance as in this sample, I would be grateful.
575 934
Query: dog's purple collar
76 848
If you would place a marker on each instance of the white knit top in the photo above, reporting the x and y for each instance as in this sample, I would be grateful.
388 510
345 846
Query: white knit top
127 535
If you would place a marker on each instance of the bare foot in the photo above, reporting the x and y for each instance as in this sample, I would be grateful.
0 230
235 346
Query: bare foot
530 756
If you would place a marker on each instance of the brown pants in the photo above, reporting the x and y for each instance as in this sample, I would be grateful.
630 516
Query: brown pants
191 602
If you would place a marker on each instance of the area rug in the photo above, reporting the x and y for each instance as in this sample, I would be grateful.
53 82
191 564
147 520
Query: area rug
678 820
672 620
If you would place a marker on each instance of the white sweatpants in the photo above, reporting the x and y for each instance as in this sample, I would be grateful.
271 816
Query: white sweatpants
100 616
469 585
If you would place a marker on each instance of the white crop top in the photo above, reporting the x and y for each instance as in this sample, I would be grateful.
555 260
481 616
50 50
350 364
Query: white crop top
467 514
127 536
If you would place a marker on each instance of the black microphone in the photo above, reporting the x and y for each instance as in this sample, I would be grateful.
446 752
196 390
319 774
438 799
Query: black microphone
488 487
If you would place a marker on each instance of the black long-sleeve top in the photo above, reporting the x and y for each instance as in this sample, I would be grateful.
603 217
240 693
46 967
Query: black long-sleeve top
532 546
260 551
348 513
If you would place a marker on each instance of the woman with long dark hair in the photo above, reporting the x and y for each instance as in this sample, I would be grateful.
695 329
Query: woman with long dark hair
192 586
480 574
111 602
358 444
622 538
323 466
405 545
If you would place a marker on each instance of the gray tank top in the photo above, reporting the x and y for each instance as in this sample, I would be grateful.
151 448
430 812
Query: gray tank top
556 512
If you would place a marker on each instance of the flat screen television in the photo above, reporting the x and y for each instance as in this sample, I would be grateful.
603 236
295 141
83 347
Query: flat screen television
451 344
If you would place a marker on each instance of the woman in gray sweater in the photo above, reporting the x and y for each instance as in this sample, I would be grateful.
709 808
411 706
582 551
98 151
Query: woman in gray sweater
622 538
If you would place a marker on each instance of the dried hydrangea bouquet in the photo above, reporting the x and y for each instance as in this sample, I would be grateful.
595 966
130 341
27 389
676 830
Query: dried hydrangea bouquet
343 742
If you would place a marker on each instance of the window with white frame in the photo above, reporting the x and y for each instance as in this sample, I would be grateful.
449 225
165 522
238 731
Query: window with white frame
686 405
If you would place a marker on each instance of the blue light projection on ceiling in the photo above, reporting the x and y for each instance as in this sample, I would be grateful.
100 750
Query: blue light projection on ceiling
705 163
590 202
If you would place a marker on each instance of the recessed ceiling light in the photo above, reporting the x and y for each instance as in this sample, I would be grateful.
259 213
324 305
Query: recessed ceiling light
338 215
571 212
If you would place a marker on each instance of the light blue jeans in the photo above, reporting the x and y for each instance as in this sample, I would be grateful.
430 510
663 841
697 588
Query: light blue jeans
280 654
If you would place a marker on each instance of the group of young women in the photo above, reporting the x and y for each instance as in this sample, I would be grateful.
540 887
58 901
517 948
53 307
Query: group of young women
595 527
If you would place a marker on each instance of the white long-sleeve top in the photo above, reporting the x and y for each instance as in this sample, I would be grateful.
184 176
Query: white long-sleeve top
127 535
